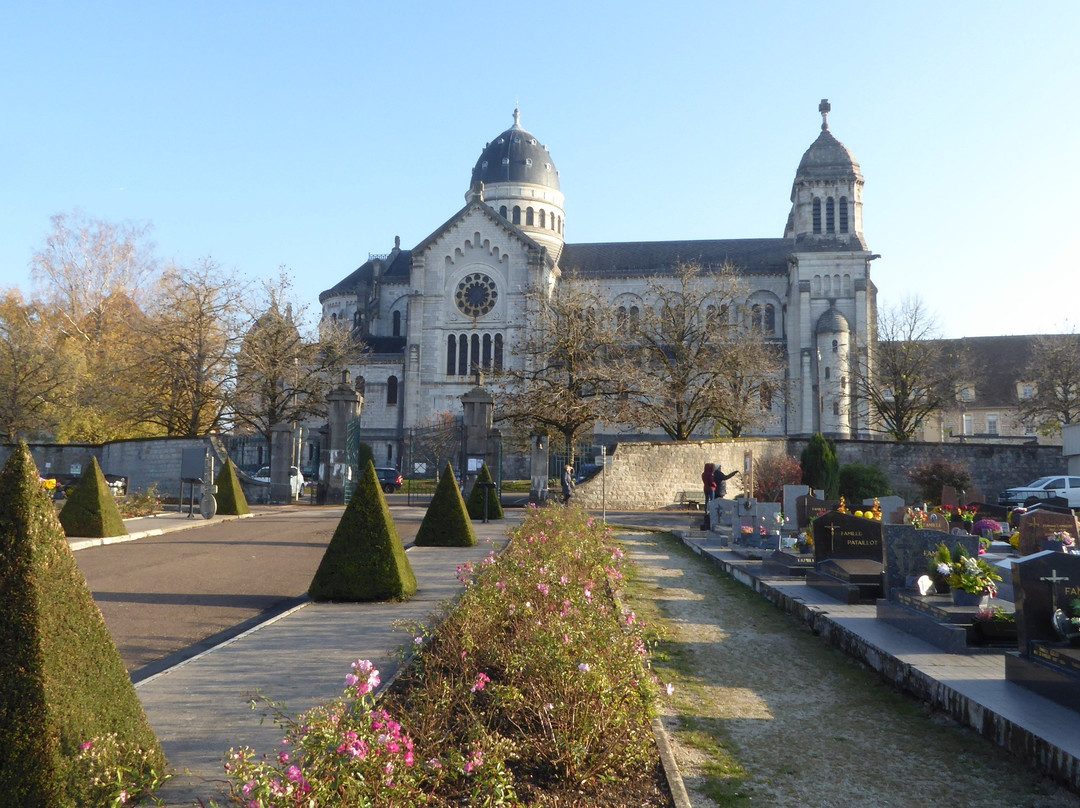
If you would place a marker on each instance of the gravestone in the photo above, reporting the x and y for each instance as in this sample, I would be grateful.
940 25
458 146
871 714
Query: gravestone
1045 663
1037 524
949 496
907 553
723 512
790 500
936 521
808 508
986 510
849 556
890 507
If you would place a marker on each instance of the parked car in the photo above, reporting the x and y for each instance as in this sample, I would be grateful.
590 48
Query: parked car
1044 488
389 479
296 479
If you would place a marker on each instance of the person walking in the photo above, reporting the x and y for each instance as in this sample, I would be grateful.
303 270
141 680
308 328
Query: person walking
567 483
709 484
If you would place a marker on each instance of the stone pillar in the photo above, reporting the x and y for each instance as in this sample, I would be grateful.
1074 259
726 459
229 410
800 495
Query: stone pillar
538 470
281 457
344 405
481 439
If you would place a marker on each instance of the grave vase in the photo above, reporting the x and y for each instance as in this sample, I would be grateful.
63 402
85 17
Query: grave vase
1054 546
977 599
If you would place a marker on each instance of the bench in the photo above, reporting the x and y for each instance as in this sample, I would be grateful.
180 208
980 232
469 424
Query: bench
696 499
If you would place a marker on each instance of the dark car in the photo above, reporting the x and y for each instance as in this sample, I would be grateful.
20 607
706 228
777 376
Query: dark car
389 479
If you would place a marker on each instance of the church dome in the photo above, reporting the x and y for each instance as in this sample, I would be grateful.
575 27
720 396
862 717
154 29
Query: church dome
515 156
827 158
832 322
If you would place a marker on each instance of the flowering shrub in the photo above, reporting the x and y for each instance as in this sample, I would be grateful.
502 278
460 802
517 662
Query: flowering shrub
534 684
111 772
986 524
141 503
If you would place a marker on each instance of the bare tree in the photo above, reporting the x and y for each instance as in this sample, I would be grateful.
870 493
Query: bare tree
1054 372
691 363
559 378
186 349
285 369
911 376
35 368
88 266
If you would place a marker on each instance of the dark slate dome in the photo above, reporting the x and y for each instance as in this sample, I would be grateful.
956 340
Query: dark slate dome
827 158
832 322
515 156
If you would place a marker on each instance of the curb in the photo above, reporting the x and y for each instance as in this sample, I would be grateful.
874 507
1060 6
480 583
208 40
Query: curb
675 782
82 544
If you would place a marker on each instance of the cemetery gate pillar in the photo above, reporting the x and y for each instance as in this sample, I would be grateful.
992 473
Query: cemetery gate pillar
344 405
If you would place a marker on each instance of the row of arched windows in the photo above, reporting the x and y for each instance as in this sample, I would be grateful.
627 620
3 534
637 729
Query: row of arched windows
830 285
831 211
467 352
533 218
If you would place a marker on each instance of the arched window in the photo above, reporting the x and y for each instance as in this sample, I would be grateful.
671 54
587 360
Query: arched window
828 372
502 211
463 355
770 318
391 390
843 214
397 323
836 408
487 352
543 217
766 398
817 216
475 363
835 346
830 215
755 317
451 355
725 312
634 314
517 215
389 453
498 352
620 319
529 216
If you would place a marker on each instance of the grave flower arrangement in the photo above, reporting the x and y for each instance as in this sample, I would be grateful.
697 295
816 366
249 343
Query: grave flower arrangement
974 576
939 567
1062 536
978 528
995 614
915 517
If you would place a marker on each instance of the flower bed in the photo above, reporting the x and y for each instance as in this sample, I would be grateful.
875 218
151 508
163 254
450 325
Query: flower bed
533 689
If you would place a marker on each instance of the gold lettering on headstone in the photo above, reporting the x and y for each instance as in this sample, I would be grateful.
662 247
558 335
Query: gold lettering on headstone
1074 591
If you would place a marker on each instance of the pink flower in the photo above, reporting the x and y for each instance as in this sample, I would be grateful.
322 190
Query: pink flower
583 667
87 745
543 589
481 681
670 689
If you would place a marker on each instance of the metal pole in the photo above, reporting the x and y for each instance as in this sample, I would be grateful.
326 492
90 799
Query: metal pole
603 481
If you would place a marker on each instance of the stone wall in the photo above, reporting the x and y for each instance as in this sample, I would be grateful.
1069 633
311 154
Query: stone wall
155 460
651 475
58 458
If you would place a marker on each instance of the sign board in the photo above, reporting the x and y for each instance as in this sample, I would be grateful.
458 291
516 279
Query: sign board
473 464
419 469
76 468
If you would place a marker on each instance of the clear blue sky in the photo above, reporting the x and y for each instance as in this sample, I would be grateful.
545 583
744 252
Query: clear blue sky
310 134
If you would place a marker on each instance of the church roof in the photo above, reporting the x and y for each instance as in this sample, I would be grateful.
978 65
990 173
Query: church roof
832 322
754 256
395 267
515 156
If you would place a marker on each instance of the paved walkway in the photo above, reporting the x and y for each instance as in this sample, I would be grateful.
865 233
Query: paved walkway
200 709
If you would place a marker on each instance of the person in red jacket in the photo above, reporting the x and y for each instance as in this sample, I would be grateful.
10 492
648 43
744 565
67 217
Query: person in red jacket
709 482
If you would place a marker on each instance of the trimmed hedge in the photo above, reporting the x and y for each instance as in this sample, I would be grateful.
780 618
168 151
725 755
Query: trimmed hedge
365 559
446 523
479 493
90 511
230 496
62 681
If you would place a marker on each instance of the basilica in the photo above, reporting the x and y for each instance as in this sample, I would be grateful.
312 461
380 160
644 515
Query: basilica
432 313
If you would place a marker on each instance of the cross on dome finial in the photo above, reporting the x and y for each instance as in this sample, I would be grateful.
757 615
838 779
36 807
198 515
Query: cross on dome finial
824 108
517 118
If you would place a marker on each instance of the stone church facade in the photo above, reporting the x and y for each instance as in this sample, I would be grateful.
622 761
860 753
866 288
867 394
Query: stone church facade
456 301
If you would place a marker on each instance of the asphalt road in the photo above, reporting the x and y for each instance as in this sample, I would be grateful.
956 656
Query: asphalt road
166 598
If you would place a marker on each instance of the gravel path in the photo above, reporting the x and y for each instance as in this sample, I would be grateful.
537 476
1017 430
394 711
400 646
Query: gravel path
764 713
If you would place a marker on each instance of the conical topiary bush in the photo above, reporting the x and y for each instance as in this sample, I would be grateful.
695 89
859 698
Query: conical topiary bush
365 559
230 496
90 510
62 682
446 523
479 493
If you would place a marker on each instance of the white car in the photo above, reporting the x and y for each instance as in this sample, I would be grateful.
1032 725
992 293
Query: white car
1044 488
296 479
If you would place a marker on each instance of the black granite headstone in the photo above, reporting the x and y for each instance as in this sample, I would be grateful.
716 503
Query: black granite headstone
1046 663
907 550
985 510
841 535
808 508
